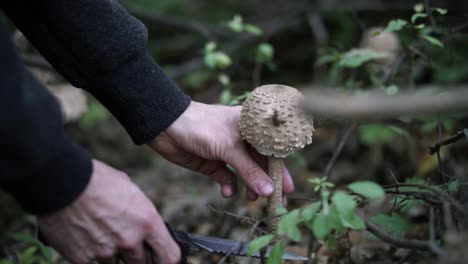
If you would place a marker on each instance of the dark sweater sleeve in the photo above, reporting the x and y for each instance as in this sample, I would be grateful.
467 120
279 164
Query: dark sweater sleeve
98 46
39 165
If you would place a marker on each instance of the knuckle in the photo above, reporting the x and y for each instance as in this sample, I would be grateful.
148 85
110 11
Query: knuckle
146 221
252 173
129 244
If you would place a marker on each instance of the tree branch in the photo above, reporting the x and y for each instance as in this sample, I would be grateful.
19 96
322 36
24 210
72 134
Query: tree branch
372 106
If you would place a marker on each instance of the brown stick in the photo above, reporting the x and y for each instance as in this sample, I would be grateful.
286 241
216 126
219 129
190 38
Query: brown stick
275 171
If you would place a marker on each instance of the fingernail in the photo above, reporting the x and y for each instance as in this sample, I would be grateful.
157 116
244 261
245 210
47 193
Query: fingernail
266 188
226 191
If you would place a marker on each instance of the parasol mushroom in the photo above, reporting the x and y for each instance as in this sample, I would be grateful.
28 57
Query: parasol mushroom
274 123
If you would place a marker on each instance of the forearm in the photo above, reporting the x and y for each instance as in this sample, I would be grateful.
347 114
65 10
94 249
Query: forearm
39 166
98 46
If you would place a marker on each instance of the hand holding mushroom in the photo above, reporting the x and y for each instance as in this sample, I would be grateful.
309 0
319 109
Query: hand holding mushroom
273 121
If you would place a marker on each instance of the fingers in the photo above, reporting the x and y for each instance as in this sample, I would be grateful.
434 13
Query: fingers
135 256
252 174
218 171
288 184
262 161
162 243
250 195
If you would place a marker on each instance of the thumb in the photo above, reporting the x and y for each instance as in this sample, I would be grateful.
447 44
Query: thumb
252 174
160 241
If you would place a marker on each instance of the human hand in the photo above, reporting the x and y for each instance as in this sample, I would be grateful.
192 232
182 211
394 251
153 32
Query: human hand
205 138
111 220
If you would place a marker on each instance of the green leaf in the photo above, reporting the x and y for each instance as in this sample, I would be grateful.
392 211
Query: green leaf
288 225
309 212
217 60
418 8
96 112
416 16
441 11
224 79
344 203
252 29
357 57
258 244
434 41
281 210
265 52
420 26
27 255
367 189
28 239
391 90
6 261
46 253
328 58
371 134
276 254
236 24
395 224
395 25
332 243
320 226
197 79
210 46
353 221
453 186
225 97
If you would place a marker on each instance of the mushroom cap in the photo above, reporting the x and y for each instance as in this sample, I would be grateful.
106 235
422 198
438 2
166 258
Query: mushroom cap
273 121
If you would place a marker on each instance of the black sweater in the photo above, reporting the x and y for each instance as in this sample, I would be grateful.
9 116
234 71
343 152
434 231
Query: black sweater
97 46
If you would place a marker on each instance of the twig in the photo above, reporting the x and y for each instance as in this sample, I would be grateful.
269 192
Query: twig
460 134
244 219
427 6
238 245
348 248
441 194
339 148
432 234
398 242
424 196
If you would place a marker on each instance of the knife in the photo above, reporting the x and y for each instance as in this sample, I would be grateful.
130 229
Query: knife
191 243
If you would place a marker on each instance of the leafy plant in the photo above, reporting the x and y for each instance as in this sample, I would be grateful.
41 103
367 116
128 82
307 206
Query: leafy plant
33 251
335 213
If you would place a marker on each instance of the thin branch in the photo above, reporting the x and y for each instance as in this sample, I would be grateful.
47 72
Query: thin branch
441 194
339 148
373 106
424 196
460 134
398 242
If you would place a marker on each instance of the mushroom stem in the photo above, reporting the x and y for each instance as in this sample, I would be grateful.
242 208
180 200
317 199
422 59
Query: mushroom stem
275 171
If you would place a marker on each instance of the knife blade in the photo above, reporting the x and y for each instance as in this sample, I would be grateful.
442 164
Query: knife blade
191 243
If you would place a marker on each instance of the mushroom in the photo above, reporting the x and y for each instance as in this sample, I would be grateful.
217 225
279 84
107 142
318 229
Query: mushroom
273 121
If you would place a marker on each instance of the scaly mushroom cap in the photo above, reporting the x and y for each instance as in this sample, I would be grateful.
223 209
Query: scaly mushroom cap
273 121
